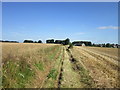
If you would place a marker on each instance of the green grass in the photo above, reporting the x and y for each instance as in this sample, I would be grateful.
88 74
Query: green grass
53 74
16 75
51 81
39 66
85 78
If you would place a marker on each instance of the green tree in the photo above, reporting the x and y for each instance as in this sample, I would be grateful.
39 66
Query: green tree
67 41
35 42
28 41
108 45
39 41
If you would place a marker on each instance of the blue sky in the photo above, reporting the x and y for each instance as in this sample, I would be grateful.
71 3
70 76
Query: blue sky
96 22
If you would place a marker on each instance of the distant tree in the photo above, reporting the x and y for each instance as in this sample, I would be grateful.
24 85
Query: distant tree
112 45
98 45
86 43
50 41
108 45
103 45
28 41
63 42
58 41
89 44
35 42
67 41
39 41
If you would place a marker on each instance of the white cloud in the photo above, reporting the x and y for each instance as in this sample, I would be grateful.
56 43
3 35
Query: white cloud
108 27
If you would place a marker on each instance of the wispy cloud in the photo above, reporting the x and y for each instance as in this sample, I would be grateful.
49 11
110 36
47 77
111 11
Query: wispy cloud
108 27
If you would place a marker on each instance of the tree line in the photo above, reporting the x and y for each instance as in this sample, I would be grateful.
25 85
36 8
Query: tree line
9 41
67 42
64 42
106 45
30 41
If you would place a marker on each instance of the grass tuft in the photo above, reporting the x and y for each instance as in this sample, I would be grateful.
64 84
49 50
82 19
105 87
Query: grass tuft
39 66
53 74
85 78
16 74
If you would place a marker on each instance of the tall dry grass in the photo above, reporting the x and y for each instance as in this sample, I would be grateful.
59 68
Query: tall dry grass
25 64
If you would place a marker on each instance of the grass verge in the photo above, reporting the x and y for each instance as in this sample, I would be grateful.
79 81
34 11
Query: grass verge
16 74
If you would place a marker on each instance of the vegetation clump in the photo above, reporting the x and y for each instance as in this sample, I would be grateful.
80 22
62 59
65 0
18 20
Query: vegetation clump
70 45
53 74
39 66
16 74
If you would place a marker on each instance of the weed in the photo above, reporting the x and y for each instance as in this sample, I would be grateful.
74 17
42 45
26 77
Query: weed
39 66
53 74
85 78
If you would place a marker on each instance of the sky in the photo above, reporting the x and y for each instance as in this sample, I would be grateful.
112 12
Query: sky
79 21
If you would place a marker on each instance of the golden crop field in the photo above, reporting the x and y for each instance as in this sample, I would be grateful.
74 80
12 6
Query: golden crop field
101 64
30 65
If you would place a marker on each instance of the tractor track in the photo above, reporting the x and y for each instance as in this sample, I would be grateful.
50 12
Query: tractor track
77 66
102 57
106 67
73 61
104 60
60 76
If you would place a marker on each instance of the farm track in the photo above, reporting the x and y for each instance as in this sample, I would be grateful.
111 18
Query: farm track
79 68
60 76
69 76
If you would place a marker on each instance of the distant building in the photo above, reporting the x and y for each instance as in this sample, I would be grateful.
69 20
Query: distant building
79 44
115 45
101 45
82 43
